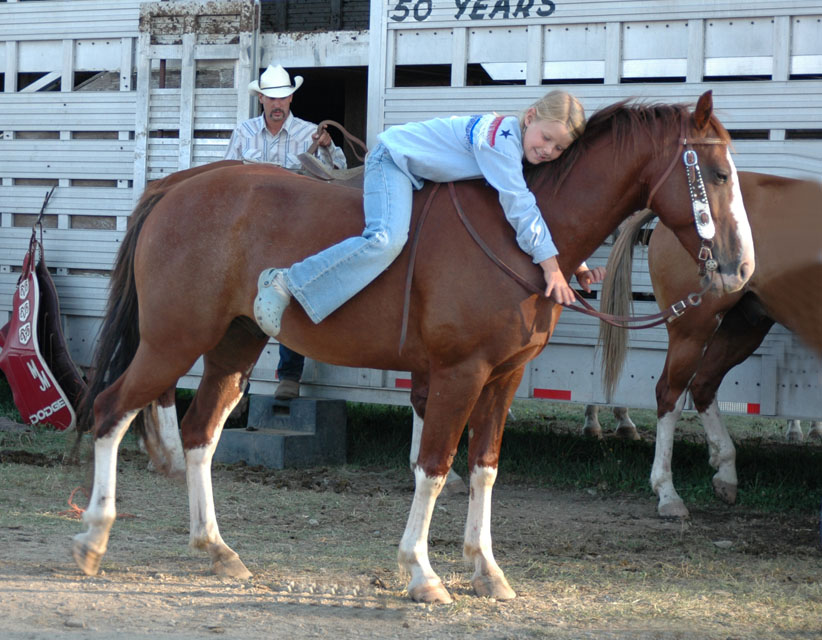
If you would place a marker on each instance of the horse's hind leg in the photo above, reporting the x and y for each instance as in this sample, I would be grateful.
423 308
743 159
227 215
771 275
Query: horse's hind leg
591 428
148 375
625 426
162 436
793 431
90 547
226 371
486 425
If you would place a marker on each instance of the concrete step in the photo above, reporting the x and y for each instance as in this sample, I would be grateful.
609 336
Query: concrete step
303 432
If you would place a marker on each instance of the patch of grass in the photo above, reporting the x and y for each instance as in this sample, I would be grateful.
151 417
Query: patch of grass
378 435
542 445
7 408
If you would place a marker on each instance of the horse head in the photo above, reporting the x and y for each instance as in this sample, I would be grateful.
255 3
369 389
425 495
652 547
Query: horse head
697 195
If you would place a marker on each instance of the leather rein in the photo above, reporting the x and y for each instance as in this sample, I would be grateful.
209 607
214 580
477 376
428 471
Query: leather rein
702 219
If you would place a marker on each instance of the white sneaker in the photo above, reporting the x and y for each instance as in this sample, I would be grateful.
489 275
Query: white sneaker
272 298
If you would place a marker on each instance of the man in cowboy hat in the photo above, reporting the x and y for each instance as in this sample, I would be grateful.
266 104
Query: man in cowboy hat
278 137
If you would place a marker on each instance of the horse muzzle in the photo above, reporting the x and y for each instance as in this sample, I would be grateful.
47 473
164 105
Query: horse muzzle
736 276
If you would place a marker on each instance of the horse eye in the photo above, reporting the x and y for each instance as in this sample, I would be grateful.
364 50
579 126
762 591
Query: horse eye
721 177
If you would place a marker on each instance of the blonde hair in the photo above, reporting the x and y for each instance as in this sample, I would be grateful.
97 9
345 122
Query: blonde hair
559 106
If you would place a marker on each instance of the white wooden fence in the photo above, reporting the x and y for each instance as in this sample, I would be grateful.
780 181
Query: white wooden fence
101 96
100 140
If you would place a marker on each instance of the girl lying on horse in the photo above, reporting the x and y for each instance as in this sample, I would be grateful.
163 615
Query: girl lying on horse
441 150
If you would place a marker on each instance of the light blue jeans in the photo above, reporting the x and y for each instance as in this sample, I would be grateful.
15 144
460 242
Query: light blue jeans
325 281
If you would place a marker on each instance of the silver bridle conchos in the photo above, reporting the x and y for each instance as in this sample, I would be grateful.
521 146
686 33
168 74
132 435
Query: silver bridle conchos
699 198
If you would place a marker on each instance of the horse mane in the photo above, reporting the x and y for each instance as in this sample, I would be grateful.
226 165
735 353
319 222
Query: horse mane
626 121
616 298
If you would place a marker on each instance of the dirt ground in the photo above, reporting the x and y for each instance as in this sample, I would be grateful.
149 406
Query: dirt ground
322 543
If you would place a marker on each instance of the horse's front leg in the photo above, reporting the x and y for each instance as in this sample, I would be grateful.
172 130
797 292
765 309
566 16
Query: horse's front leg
722 453
454 485
424 584
90 547
736 338
670 505
219 392
453 394
485 437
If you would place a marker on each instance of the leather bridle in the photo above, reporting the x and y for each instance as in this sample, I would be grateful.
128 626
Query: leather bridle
699 197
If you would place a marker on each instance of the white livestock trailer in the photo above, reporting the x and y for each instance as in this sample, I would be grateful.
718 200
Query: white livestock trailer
101 96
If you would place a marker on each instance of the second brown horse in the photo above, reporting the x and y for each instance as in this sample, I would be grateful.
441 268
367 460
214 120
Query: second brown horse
704 344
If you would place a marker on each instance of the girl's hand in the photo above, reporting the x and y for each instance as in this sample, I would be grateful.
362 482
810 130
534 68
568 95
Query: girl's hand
586 277
556 286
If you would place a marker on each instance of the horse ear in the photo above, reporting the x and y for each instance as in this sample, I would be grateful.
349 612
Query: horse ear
704 110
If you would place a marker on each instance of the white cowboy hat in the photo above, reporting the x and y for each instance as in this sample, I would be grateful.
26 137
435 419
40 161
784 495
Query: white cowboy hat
275 83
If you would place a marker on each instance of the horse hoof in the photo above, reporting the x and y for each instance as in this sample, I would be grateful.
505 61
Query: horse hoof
627 433
226 563
231 568
86 558
430 594
493 587
592 432
725 491
676 509
177 475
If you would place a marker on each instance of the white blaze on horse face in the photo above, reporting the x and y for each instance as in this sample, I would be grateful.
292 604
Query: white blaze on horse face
744 235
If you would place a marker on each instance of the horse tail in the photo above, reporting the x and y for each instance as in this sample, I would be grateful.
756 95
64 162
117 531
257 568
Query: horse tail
119 334
616 299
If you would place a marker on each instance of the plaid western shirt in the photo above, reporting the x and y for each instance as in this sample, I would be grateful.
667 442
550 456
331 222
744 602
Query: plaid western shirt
252 141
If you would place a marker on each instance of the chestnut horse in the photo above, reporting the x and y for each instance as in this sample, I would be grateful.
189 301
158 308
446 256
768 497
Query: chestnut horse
185 281
705 343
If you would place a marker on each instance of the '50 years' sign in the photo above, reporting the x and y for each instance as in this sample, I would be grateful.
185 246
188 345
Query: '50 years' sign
420 10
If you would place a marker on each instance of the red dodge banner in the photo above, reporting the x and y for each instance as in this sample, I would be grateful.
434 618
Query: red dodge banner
36 393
